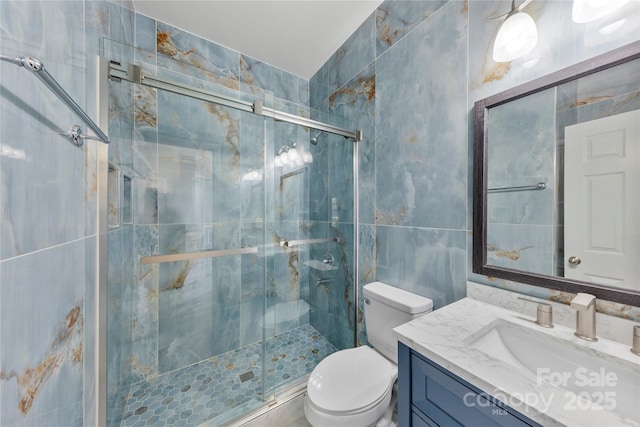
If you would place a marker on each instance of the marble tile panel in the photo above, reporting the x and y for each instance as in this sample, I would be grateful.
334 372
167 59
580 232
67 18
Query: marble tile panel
122 24
521 247
144 351
119 320
48 30
395 19
42 173
421 151
121 122
604 85
355 101
145 35
257 76
183 52
42 334
96 15
252 167
198 297
428 262
356 52
367 262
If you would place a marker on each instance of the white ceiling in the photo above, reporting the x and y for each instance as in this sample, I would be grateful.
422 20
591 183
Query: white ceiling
295 35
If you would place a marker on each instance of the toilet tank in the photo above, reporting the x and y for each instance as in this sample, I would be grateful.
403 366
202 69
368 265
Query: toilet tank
386 307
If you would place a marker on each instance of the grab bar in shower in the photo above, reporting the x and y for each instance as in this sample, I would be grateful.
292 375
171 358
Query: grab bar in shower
187 256
37 67
538 186
291 243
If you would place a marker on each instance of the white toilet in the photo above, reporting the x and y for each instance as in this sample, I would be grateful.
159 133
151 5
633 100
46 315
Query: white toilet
353 387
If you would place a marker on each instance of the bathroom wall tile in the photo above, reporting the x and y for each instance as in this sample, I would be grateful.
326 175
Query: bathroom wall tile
42 173
122 24
144 347
120 305
42 333
521 247
121 122
197 297
428 262
355 54
355 101
422 151
395 19
252 159
341 298
183 52
96 15
367 263
48 30
145 33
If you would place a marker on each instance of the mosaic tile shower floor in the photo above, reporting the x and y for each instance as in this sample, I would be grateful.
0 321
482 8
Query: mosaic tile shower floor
201 392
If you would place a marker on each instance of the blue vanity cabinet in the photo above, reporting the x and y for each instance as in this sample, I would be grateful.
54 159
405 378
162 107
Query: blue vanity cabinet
429 395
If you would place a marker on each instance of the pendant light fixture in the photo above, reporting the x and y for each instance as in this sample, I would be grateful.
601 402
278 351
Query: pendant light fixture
589 10
517 35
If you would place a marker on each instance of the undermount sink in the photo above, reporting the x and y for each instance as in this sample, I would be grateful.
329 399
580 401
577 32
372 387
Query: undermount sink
580 373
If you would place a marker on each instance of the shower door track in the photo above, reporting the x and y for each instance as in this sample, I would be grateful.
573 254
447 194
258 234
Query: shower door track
135 74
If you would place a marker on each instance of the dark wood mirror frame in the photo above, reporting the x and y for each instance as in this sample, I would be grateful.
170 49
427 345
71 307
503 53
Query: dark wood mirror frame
480 167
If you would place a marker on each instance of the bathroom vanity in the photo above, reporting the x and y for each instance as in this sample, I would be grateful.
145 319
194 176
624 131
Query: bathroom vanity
476 364
428 388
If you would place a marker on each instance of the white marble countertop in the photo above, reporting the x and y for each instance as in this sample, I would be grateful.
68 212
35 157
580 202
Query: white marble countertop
442 337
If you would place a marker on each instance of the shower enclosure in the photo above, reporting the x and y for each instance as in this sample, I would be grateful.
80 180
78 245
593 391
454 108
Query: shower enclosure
231 245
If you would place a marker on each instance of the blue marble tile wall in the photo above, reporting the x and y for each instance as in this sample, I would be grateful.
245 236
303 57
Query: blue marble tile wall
408 77
413 159
48 218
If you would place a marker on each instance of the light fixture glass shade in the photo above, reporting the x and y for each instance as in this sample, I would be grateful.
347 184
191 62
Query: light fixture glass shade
589 10
516 37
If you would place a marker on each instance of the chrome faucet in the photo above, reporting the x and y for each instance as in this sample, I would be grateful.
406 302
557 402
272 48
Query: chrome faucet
585 304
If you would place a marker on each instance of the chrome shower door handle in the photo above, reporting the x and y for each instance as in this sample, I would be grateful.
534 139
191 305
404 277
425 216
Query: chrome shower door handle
574 261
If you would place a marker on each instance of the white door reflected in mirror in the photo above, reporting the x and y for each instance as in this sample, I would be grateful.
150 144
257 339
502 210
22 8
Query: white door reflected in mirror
602 201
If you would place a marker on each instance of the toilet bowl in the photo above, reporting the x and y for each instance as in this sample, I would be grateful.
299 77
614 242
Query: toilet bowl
350 388
354 387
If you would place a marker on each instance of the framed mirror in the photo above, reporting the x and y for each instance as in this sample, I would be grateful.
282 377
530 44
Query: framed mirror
556 191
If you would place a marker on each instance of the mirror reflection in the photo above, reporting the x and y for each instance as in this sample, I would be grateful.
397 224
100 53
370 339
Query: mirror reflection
563 181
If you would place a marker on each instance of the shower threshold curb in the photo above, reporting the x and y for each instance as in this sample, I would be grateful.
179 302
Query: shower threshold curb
290 392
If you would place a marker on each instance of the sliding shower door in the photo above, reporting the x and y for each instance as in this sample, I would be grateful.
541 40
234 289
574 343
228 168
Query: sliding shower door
231 248
186 257
309 283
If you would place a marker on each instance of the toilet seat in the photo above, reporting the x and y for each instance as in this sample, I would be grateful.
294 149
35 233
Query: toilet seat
351 381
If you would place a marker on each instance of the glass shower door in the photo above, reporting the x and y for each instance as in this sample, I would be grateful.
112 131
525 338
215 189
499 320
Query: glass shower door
186 270
309 282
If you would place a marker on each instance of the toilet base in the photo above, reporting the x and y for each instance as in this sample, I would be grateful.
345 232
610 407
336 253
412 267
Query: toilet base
369 418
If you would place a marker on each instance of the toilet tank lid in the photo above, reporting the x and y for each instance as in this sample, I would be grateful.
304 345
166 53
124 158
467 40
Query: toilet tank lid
398 298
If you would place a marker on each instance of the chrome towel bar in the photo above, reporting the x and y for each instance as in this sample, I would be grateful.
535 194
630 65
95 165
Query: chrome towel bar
187 256
37 67
291 243
538 186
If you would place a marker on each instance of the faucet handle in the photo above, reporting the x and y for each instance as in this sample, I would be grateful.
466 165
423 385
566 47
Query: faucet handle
583 301
544 313
635 347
